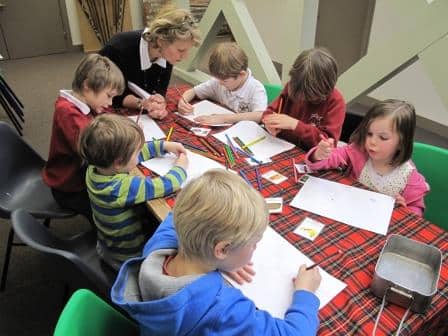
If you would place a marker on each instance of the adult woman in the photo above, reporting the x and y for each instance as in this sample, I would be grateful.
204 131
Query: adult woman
146 57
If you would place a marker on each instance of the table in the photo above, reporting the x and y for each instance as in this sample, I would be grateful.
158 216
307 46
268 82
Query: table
348 253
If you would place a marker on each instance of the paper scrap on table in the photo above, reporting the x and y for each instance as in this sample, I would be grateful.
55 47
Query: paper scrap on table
206 108
357 207
309 228
197 165
271 288
303 168
275 204
200 131
261 160
248 131
274 177
149 126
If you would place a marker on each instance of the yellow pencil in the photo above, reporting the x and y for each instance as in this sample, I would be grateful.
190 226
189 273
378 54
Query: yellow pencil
169 133
254 142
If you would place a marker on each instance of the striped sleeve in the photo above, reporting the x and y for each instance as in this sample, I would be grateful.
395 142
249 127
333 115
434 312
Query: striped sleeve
151 149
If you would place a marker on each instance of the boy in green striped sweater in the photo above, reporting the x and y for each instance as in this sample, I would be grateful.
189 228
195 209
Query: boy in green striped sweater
113 145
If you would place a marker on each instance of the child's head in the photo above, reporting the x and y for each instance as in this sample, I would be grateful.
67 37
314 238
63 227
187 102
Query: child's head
228 63
313 76
111 141
219 219
387 131
174 31
97 80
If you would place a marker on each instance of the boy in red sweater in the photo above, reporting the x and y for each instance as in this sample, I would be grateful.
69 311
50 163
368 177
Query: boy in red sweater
309 107
97 80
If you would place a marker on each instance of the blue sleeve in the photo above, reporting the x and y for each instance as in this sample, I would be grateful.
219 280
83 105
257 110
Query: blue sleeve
164 237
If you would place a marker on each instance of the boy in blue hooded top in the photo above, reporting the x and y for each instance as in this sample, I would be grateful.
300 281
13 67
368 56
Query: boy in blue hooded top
176 287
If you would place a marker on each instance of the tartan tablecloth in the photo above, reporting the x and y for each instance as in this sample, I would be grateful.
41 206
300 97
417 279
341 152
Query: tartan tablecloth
348 253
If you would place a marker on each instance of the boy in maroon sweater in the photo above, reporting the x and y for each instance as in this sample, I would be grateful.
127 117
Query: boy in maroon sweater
97 80
309 107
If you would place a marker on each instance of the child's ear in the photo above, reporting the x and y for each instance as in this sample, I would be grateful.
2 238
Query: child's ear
221 249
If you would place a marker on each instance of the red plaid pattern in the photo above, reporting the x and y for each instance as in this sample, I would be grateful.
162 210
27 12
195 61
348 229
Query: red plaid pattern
348 253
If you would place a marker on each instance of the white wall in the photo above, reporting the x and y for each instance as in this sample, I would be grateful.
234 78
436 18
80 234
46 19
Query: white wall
413 83
136 16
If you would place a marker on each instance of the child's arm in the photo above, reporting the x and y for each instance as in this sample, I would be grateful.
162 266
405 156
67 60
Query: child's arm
414 193
229 118
338 157
184 105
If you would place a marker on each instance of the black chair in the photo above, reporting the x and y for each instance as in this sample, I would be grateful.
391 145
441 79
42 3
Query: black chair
75 259
21 186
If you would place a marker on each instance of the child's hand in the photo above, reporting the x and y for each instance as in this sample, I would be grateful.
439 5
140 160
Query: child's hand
212 119
324 149
182 161
158 114
243 274
307 280
280 121
184 107
156 106
400 200
174 147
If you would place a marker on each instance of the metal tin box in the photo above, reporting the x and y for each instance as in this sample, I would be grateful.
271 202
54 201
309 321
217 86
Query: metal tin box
407 272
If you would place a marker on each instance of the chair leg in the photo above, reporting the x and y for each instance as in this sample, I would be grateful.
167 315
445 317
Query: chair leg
7 257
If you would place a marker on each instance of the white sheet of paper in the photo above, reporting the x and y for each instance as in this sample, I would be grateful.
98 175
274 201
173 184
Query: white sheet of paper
138 90
149 127
204 108
276 262
248 131
357 207
197 165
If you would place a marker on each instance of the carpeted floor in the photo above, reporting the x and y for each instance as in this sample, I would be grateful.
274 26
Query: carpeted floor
33 300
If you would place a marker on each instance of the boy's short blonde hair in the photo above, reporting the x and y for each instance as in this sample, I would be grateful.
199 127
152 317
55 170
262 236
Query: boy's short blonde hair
171 24
98 73
218 206
108 139
313 75
227 60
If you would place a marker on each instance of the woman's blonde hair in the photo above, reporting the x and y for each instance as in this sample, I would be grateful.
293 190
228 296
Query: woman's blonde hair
218 206
171 24
313 75
227 60
108 139
98 73
403 118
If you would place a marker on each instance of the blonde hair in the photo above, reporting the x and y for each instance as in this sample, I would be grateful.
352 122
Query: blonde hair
403 118
218 206
98 73
171 24
313 75
110 138
227 60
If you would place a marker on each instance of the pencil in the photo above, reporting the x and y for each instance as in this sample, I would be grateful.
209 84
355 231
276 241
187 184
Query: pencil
241 144
181 124
257 173
294 169
170 132
139 114
209 146
254 142
194 147
226 157
245 177
280 105
231 145
311 267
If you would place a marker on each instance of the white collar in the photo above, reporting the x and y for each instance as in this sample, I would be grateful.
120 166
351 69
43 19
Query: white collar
68 94
145 61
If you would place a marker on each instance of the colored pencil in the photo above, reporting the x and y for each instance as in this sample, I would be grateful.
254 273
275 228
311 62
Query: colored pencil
209 146
245 177
181 124
139 115
227 158
254 142
294 169
170 132
194 147
241 144
257 173
280 105
231 145
312 266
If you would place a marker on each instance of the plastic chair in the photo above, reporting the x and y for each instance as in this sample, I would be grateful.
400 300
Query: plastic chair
273 91
21 186
75 258
86 314
432 163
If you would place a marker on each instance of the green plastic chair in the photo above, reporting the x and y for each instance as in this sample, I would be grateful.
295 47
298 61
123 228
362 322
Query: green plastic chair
86 314
432 163
273 91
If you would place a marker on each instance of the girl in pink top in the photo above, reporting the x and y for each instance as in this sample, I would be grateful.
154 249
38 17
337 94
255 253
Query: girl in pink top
379 154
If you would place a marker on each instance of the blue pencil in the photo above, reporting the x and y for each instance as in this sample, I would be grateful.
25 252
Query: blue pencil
245 177
231 145
260 186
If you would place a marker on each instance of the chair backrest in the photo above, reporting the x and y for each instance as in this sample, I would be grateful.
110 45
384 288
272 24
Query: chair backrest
432 163
272 90
87 314
77 254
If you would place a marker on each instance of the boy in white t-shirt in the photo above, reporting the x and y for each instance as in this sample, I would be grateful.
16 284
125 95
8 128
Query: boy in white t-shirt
233 86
